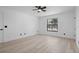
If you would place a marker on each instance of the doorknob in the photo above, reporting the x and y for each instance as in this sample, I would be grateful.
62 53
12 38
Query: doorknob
1 29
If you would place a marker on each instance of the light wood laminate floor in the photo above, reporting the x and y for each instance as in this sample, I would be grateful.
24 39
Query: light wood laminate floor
39 44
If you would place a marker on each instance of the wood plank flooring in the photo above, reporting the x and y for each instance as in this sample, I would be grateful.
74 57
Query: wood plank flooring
39 44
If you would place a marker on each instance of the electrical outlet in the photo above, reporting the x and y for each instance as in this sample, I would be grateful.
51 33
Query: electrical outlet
20 34
24 33
64 33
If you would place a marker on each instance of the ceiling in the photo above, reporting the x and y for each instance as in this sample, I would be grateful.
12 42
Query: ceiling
29 9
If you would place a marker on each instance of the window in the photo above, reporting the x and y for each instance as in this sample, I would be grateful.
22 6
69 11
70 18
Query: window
52 25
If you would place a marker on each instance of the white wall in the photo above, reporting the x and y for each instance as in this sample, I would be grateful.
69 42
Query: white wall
1 26
20 22
77 26
17 23
66 24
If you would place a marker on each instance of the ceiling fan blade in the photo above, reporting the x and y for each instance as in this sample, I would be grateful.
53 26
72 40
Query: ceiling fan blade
43 7
35 9
43 10
37 6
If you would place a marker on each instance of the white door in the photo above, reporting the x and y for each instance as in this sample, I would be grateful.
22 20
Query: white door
1 28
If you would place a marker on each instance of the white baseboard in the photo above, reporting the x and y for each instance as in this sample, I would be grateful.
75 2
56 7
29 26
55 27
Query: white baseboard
59 36
18 37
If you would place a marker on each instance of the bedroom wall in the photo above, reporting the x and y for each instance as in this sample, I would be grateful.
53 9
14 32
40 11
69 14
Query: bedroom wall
19 25
77 26
22 24
66 24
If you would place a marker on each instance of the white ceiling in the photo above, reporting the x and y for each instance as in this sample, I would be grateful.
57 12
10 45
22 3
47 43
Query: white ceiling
29 9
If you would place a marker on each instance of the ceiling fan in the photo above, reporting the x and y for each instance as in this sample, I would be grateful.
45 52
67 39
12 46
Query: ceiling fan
40 8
